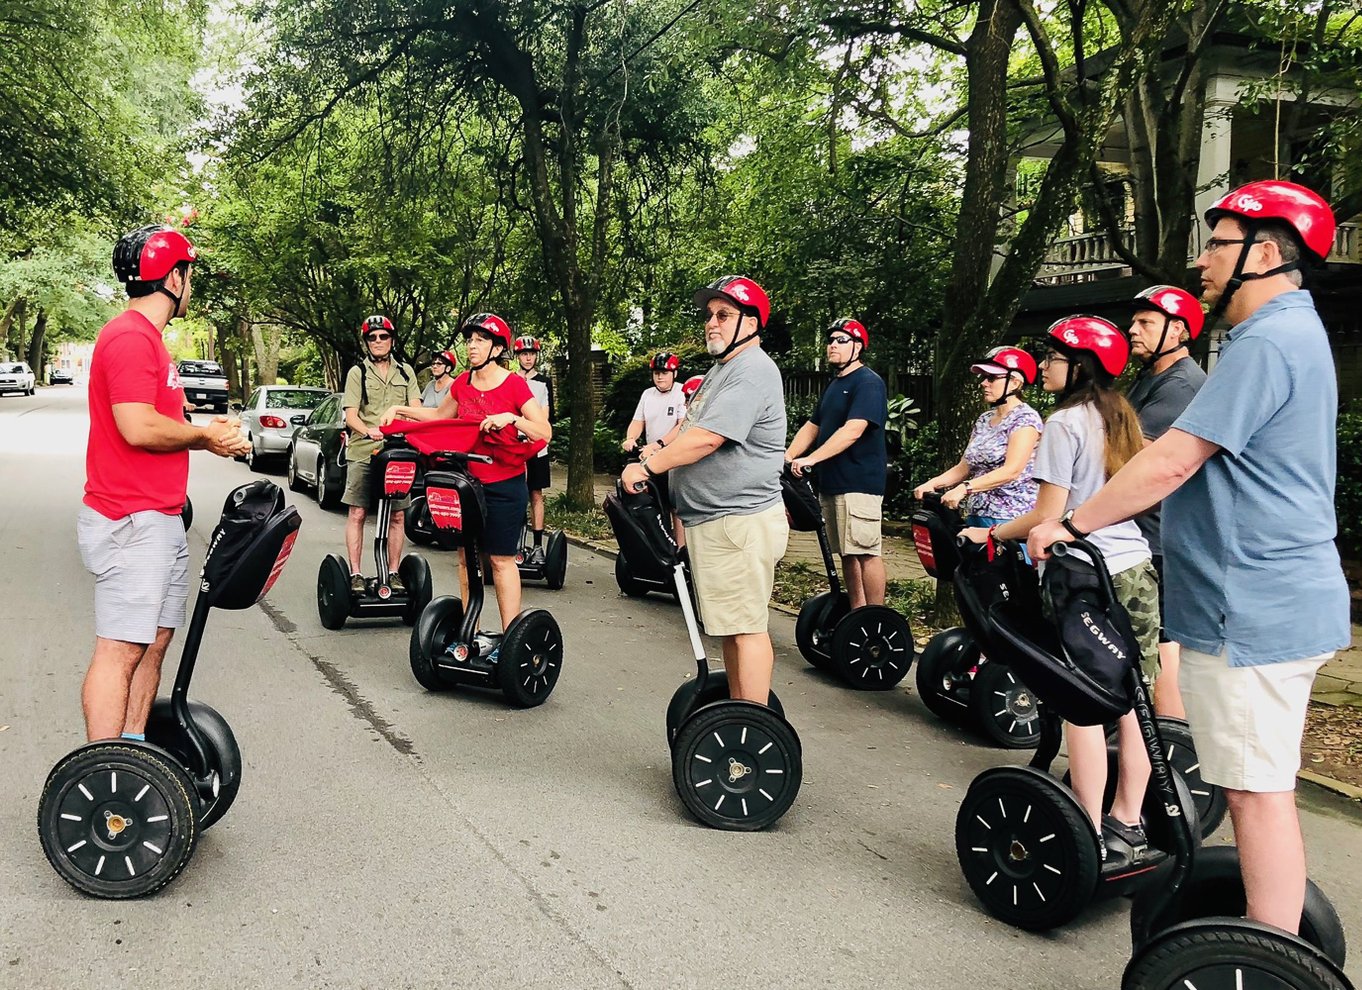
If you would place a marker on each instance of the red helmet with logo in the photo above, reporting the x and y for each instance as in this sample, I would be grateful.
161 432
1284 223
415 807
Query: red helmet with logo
1091 335
691 385
491 324
1175 303
1299 208
528 344
148 254
1007 360
376 322
742 292
854 329
664 361
447 358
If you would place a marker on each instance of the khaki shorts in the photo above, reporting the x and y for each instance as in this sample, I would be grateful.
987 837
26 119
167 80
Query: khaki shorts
853 522
733 561
1247 721
357 491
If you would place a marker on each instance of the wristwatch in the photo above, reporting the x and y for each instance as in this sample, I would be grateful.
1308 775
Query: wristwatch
1066 521
647 470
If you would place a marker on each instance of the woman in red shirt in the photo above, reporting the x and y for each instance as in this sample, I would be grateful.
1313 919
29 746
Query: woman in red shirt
490 394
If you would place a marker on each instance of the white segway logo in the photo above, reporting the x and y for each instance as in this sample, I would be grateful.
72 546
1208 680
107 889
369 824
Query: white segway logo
1248 203
1102 637
739 290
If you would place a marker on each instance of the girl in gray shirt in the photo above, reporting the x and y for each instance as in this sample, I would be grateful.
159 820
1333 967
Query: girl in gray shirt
1090 435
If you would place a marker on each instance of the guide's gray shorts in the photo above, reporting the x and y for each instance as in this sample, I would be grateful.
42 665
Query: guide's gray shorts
141 569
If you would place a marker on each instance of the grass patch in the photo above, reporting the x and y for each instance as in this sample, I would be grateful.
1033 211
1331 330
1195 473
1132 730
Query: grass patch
798 581
589 525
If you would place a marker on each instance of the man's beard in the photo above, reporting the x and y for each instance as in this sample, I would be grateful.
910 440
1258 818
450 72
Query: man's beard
714 347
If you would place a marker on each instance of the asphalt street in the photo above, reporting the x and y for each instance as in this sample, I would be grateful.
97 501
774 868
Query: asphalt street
388 837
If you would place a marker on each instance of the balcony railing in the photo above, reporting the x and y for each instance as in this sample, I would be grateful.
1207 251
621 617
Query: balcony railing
1089 257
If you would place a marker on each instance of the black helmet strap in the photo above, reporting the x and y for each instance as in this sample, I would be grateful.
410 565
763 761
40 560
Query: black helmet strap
1240 276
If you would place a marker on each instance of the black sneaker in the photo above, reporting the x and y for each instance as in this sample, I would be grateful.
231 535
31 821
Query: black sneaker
1123 844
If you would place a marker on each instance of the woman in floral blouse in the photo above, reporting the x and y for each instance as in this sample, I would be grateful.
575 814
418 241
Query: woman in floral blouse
995 473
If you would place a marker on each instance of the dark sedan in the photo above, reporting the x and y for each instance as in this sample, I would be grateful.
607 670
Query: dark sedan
316 453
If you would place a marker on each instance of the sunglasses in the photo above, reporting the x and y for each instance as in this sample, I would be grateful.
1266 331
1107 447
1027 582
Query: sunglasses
378 336
993 378
841 339
722 315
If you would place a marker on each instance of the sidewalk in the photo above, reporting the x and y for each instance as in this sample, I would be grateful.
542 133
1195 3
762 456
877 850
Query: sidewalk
1339 682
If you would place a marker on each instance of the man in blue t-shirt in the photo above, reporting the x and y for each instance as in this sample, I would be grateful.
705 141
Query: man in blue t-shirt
1256 594
846 434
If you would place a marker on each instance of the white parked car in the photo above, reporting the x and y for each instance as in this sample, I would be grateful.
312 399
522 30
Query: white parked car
15 376
267 419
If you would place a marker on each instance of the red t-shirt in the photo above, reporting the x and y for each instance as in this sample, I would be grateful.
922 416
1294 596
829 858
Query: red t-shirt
475 404
131 364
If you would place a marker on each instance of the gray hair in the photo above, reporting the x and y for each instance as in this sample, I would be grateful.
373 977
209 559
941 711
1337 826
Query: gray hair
1288 245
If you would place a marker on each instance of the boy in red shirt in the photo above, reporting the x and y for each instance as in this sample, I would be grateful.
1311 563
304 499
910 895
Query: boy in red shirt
137 471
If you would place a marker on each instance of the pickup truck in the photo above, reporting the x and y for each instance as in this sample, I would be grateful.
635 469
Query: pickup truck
204 385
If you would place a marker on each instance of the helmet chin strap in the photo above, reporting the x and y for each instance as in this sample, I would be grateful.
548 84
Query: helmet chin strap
1001 400
1159 351
739 341
478 367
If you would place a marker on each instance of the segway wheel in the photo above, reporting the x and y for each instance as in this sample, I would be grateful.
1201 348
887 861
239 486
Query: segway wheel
415 574
737 766
1210 800
949 655
117 820
224 755
625 579
333 592
716 689
417 524
1027 848
531 658
555 560
436 628
1230 954
818 616
1003 708
1216 888
872 648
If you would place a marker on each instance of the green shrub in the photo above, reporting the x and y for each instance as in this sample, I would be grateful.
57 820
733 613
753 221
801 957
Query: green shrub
606 455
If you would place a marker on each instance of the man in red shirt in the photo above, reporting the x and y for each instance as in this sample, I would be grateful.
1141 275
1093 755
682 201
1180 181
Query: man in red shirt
137 471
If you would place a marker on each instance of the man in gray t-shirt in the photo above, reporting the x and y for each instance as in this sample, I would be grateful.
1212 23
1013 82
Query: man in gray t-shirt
1165 321
725 466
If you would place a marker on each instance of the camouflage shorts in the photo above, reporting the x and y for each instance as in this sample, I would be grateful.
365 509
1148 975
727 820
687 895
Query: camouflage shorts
1137 588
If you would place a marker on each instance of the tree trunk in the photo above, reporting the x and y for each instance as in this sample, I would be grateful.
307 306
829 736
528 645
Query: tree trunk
265 339
7 318
36 343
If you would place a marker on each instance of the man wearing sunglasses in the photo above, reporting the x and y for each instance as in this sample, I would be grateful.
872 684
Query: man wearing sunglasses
845 440
377 383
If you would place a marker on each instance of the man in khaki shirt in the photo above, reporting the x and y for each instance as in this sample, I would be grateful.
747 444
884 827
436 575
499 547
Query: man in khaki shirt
375 384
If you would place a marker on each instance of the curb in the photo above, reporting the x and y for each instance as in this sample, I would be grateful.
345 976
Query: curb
1348 791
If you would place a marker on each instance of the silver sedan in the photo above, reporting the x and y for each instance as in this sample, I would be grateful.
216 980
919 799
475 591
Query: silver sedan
266 419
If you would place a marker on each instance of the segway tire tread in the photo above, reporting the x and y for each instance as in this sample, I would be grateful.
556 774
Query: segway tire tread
760 742
530 659
435 627
932 665
872 648
223 752
1249 955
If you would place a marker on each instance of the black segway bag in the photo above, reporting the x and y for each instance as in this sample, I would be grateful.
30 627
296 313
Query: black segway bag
935 528
642 530
250 545
801 502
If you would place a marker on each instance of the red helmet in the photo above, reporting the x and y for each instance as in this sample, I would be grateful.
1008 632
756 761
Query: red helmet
1005 361
148 254
1091 335
447 358
1178 304
691 386
528 344
1299 208
742 292
854 329
664 361
491 324
372 323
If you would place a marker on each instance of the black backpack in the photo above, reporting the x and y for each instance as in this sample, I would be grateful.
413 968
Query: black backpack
249 546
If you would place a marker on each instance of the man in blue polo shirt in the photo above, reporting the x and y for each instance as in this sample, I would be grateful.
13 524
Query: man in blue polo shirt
846 434
1256 594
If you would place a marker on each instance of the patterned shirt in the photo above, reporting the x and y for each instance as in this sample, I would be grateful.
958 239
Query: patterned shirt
987 450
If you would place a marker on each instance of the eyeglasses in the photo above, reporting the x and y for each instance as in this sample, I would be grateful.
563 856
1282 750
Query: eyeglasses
1053 358
378 336
1214 244
840 339
722 315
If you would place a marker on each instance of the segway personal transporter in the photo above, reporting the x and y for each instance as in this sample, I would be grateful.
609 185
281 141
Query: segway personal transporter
550 565
447 649
392 476
871 647
1026 846
120 818
736 765
954 679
